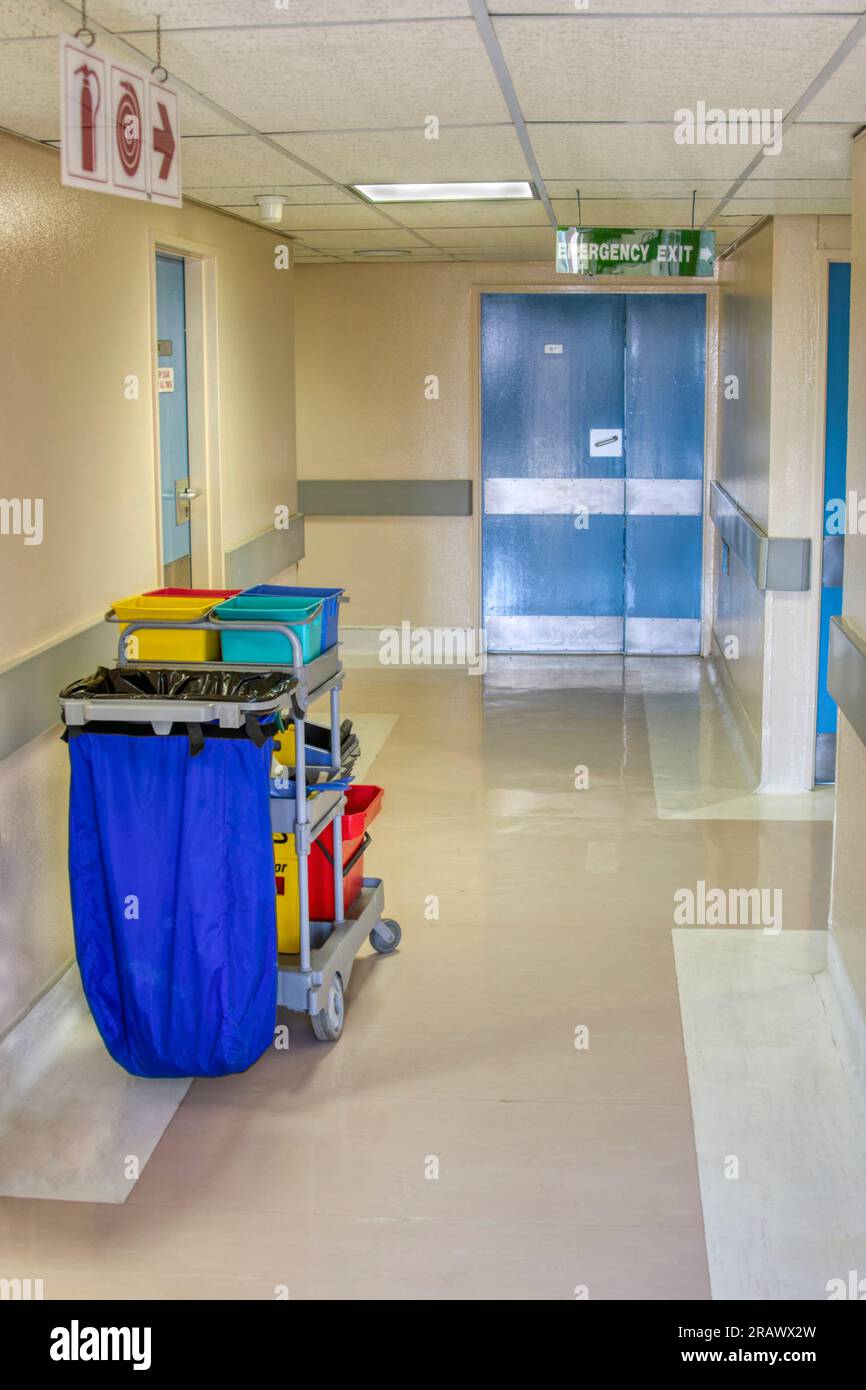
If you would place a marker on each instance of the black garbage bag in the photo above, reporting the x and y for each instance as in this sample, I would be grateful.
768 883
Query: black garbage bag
175 683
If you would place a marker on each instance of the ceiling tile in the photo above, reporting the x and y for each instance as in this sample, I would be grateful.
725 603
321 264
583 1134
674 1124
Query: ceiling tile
515 238
762 207
624 212
793 188
647 68
811 152
28 18
688 8
341 77
353 216
637 189
574 152
359 241
405 156
843 97
304 194
528 213
29 93
208 14
230 159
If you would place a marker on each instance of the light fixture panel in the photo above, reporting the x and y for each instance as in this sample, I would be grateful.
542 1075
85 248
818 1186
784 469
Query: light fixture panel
442 192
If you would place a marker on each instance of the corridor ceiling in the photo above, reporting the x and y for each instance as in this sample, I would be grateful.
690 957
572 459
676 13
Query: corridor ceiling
305 97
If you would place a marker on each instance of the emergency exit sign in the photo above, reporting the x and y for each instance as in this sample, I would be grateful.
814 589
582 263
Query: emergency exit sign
119 127
630 251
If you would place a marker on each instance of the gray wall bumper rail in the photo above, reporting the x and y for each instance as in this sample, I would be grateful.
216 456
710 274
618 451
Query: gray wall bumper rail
846 673
28 689
271 551
385 497
772 562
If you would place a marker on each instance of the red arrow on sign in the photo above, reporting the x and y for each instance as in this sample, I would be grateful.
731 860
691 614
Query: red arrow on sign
163 140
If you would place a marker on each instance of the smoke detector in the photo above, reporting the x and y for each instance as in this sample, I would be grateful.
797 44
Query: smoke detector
271 206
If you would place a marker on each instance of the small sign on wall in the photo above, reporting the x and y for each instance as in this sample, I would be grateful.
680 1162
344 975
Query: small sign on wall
165 378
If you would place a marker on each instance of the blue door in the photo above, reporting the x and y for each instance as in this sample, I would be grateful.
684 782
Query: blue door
553 532
592 462
173 428
835 500
664 491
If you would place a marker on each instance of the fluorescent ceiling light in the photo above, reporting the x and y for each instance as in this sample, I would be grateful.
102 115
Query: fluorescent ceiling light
440 192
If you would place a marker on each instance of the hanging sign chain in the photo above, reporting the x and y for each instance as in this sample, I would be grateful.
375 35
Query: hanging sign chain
86 35
158 67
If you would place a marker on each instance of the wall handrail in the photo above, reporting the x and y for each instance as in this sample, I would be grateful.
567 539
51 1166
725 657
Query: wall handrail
846 673
771 562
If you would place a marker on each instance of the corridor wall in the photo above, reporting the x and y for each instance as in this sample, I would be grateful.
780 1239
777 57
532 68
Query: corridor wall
770 460
75 324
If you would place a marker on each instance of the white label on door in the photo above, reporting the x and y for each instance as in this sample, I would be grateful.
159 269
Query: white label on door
165 378
553 347
605 443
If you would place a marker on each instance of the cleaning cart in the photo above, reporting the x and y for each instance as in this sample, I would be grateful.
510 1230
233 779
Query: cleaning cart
204 697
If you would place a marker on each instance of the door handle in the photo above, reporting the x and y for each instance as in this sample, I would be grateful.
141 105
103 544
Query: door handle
183 495
600 443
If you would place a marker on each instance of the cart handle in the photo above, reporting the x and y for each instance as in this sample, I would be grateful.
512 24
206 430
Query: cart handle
208 625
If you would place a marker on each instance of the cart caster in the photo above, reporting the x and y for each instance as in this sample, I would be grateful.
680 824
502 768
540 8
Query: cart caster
328 1023
386 936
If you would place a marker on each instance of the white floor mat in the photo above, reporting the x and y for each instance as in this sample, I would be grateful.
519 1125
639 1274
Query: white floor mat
773 1098
74 1126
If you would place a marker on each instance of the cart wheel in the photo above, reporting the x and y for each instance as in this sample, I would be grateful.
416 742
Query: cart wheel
386 936
328 1023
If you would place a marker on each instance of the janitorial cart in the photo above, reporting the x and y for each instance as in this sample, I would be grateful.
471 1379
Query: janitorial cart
178 809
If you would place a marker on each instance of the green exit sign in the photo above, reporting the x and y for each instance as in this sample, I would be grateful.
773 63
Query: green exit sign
628 251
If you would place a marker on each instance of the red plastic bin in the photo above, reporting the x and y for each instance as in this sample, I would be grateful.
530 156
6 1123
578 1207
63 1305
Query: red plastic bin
217 594
362 806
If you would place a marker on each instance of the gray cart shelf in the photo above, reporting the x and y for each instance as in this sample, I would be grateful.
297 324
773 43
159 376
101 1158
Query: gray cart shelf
313 981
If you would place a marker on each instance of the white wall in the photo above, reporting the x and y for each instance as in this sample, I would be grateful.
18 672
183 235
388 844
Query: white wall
771 461
75 319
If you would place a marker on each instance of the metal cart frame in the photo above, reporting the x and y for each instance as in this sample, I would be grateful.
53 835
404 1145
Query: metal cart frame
313 981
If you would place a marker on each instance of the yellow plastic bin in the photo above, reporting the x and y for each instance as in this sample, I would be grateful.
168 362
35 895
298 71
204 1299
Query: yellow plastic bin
159 645
288 903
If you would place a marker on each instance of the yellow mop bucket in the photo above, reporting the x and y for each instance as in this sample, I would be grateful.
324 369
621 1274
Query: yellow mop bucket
159 644
288 904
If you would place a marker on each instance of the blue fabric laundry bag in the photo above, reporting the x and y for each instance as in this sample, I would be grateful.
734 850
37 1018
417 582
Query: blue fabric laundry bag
172 875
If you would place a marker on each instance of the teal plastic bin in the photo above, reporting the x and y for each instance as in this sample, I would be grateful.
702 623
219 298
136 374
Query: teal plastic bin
270 646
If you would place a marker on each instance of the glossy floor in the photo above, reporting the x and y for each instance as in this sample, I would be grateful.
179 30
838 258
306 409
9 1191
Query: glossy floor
508 1113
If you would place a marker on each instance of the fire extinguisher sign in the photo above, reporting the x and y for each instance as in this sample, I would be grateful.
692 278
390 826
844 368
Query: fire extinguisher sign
120 130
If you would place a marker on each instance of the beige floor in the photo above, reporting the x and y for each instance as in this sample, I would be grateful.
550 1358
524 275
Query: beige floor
456 1143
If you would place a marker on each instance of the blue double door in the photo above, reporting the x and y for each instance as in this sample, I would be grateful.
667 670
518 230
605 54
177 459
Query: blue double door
592 463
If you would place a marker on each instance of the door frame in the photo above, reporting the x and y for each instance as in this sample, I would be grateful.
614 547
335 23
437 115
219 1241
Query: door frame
823 261
710 290
207 556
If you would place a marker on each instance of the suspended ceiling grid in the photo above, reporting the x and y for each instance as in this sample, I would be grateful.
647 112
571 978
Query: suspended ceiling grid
305 97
